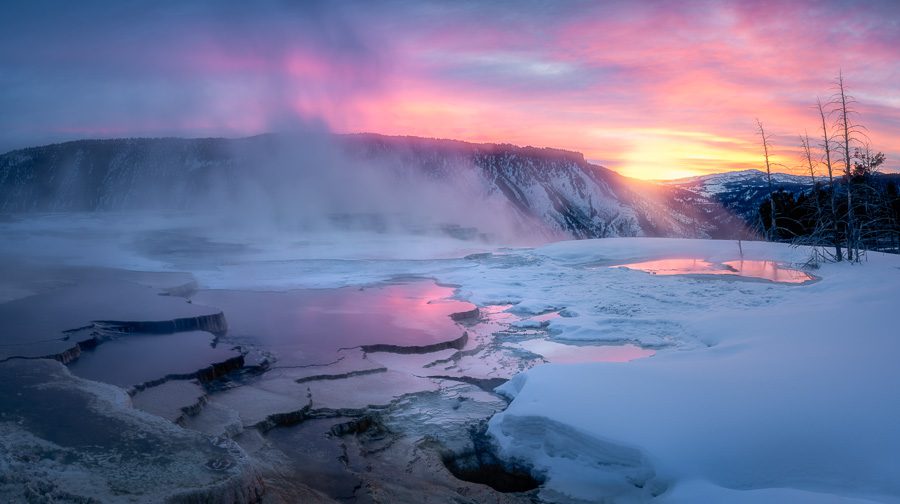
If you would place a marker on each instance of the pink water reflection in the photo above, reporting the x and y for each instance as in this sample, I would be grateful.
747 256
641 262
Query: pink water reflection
562 353
308 326
764 270
769 270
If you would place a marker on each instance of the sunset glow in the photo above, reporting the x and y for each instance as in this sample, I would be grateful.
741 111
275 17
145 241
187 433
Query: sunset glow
763 270
652 89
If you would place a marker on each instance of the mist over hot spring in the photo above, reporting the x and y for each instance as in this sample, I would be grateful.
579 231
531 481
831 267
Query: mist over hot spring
304 179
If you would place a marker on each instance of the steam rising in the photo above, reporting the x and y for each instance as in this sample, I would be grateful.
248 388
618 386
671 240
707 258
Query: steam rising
279 67
303 180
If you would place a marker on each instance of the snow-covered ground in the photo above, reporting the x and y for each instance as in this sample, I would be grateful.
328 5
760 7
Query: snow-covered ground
792 396
757 392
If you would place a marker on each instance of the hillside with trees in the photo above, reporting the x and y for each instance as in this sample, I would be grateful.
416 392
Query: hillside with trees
852 207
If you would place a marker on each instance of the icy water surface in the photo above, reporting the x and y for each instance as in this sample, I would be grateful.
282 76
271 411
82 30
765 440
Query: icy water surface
562 353
138 358
309 326
763 270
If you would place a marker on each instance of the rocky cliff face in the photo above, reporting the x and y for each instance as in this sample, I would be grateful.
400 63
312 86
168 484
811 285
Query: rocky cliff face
119 174
554 187
561 188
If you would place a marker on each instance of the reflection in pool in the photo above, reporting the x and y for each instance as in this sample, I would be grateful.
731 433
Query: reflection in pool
308 326
137 358
572 354
764 270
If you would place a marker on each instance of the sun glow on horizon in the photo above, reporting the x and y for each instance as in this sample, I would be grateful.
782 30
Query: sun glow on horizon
681 101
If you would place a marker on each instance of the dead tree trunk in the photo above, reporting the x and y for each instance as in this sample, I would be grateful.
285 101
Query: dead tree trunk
845 130
765 143
827 147
804 141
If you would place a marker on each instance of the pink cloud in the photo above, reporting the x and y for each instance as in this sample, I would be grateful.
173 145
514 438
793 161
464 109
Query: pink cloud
647 88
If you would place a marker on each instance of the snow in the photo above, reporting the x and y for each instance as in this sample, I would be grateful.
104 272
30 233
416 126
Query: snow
757 392
719 182
742 191
791 399
66 439
690 492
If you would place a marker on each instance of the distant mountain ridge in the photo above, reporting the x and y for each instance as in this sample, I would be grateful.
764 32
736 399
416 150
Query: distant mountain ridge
742 191
556 187
718 182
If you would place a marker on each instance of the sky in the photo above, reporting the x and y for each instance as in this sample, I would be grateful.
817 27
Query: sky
653 89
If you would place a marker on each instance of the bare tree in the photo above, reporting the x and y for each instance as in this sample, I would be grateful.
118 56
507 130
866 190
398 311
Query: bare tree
850 132
807 151
869 219
818 234
804 142
870 199
826 146
765 143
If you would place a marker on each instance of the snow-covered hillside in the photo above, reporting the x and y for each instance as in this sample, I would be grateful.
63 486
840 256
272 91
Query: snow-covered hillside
556 188
741 191
560 187
718 183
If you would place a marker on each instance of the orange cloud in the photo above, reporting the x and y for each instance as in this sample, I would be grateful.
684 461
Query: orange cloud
650 89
